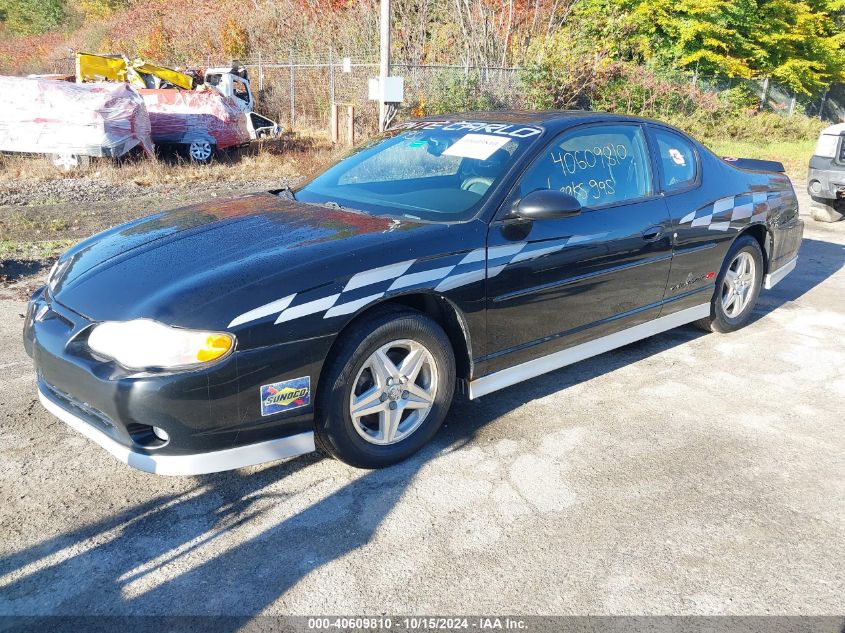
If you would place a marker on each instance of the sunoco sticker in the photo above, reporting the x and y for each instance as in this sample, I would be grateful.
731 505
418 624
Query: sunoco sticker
284 396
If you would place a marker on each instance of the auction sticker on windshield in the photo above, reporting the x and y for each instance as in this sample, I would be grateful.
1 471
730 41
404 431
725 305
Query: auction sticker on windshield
478 146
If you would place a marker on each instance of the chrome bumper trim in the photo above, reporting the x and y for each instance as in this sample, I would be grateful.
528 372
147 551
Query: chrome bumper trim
512 375
198 464
772 279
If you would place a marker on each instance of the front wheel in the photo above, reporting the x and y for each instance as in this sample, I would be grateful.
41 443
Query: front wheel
737 287
387 389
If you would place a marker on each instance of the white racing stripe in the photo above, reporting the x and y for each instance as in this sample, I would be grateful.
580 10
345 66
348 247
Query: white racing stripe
420 277
304 309
704 220
461 279
274 307
477 255
374 276
449 277
351 306
725 204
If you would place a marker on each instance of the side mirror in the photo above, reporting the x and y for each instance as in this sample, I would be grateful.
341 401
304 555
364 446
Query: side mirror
548 204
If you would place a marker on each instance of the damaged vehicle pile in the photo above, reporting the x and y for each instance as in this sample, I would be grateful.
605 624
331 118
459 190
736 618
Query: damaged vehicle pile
112 106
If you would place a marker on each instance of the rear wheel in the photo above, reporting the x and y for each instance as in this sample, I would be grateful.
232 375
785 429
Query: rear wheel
201 151
387 390
825 210
737 287
69 162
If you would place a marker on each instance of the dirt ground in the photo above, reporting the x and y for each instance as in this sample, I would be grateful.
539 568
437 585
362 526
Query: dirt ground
39 220
684 474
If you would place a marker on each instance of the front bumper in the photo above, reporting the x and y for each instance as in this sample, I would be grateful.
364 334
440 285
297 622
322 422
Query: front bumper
212 416
826 183
198 464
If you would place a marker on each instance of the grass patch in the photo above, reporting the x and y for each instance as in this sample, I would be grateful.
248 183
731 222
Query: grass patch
270 160
795 155
33 250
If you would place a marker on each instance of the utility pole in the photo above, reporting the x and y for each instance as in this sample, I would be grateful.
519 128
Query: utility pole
384 60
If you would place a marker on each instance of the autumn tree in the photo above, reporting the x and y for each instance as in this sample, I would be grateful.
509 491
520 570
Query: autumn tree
234 39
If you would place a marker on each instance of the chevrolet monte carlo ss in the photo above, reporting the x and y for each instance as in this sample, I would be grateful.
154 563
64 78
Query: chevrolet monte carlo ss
471 251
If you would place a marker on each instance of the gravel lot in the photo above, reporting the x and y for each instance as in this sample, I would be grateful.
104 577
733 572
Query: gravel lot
685 474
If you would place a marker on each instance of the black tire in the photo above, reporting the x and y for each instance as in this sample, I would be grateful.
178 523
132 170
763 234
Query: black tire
825 210
334 429
719 321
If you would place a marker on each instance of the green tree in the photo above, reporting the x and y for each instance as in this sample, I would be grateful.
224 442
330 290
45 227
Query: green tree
803 45
98 9
799 43
25 17
702 34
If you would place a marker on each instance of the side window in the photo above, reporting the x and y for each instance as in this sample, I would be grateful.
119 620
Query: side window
677 160
239 88
599 165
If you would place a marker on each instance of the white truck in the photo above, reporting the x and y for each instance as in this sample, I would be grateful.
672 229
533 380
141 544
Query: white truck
233 82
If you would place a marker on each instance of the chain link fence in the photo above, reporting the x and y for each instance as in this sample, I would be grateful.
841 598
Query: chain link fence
300 94
765 94
299 91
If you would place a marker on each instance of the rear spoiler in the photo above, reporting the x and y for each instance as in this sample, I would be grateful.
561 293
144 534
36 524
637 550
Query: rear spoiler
754 164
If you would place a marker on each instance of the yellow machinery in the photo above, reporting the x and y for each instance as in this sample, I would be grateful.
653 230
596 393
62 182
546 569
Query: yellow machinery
90 67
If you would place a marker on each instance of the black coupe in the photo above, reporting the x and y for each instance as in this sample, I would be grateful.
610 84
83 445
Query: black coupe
472 251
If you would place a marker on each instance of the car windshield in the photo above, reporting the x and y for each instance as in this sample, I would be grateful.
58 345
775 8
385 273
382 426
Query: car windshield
437 171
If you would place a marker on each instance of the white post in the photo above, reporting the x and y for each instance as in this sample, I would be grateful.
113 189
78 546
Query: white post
292 91
384 61
765 93
331 78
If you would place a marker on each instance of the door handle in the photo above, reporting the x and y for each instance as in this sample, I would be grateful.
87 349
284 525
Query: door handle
653 233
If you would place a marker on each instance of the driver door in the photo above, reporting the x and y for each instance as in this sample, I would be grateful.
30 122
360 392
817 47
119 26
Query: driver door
554 283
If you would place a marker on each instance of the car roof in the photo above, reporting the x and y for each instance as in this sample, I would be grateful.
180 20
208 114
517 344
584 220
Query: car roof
551 119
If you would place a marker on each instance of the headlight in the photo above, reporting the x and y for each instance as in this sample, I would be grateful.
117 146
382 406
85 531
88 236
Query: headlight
56 273
52 272
145 344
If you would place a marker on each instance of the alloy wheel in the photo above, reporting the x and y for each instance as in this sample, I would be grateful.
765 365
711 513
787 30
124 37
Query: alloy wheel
738 284
393 392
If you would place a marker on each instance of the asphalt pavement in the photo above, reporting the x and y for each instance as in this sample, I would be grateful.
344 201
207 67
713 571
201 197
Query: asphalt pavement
690 473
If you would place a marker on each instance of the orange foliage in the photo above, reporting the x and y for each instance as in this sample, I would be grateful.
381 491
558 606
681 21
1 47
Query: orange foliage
235 39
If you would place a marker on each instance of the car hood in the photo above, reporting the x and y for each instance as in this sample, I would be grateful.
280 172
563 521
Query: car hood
197 265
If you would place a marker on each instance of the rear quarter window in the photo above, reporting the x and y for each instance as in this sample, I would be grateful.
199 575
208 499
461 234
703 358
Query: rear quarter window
677 158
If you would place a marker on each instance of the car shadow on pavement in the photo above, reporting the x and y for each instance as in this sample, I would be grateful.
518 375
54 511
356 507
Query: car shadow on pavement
817 260
12 270
166 555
